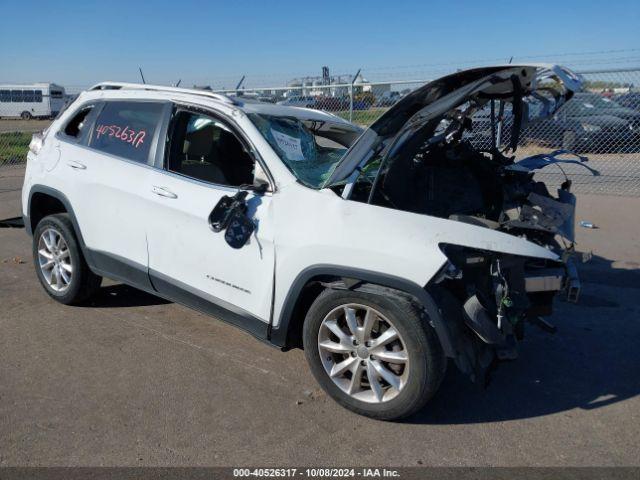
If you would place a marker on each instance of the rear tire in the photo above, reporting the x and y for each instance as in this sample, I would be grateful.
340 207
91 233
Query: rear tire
59 263
387 381
26 115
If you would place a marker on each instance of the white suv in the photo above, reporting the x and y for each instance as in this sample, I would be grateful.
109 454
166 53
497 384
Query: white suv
382 253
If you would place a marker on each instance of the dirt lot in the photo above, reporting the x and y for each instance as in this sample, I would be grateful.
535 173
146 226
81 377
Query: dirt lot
132 380
7 125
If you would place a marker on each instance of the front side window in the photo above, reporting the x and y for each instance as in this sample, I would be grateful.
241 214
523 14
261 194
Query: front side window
309 155
206 149
126 129
37 96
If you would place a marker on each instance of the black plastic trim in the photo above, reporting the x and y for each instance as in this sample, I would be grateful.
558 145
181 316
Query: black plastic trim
121 269
27 225
178 292
67 205
138 276
278 335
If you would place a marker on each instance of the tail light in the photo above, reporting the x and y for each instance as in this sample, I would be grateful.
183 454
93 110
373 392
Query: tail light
37 142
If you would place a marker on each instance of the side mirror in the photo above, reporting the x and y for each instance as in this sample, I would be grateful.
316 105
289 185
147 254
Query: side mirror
230 214
220 216
259 186
239 230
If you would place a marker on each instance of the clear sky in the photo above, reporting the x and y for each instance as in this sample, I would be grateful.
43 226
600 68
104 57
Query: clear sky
81 42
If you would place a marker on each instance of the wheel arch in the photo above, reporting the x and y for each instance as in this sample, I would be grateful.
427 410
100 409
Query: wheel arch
44 201
313 280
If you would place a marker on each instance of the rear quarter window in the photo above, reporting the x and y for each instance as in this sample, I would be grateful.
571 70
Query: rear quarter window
76 128
126 129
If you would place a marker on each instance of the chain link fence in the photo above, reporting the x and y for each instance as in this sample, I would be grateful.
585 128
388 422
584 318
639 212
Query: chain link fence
15 136
601 123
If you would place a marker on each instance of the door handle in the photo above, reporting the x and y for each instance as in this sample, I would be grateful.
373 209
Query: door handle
163 192
76 165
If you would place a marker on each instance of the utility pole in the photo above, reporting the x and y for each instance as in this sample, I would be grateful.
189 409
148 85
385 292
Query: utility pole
240 82
353 80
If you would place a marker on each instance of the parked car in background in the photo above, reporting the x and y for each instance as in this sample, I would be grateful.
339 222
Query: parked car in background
587 103
588 123
36 100
266 98
298 101
387 99
363 100
332 104
481 133
629 100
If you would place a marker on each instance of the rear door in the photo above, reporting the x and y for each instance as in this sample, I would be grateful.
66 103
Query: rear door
207 158
108 168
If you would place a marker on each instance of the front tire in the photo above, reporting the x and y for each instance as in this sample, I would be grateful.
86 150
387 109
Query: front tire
375 354
60 265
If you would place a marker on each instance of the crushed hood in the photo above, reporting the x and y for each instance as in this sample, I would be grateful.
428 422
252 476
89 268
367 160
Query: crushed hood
550 85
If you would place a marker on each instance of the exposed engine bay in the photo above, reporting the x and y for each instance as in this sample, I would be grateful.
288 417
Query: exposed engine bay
434 159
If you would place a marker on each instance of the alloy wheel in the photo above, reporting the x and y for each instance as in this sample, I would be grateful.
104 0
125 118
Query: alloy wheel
363 353
54 260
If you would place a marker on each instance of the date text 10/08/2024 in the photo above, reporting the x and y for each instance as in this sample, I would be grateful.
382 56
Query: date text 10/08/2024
316 472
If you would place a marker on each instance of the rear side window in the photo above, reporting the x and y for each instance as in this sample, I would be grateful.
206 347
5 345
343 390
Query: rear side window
126 129
5 96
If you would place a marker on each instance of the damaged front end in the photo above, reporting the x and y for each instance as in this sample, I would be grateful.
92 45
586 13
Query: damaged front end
487 298
424 156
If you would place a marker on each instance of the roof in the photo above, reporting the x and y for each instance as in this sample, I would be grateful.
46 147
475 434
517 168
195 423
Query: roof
246 105
297 112
161 88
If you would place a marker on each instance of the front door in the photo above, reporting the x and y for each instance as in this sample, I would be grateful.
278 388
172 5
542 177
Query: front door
204 161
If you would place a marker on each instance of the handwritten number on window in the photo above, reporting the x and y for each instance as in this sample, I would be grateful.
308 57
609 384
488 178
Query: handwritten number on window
126 134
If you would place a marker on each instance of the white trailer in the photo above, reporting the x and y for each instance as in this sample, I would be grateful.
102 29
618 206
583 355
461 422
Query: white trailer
31 101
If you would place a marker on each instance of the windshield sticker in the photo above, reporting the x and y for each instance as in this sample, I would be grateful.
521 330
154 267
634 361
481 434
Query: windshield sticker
589 105
133 137
291 146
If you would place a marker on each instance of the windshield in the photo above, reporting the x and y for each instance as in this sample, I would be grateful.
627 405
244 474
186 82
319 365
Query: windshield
308 154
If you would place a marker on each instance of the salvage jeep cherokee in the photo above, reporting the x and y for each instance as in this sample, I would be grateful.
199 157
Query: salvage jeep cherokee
381 252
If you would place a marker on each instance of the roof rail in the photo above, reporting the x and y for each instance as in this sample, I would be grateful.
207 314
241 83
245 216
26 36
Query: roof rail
161 88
